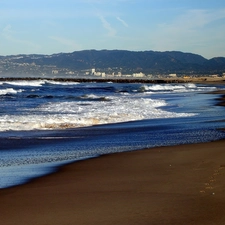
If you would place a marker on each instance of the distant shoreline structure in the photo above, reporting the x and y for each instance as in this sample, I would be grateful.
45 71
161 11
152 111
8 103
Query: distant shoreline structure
205 79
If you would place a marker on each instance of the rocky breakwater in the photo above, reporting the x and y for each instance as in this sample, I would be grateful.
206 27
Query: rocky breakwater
100 80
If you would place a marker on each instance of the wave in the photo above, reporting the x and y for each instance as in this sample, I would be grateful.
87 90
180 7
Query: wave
90 97
150 88
71 114
54 107
61 83
40 96
164 88
9 91
38 83
93 97
35 83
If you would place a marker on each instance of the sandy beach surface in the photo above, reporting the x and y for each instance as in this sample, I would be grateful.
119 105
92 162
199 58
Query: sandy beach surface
175 185
167 185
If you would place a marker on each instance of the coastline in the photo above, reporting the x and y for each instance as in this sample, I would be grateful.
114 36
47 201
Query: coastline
181 184
165 185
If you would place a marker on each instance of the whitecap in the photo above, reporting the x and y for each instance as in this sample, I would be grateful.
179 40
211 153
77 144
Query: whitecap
62 82
61 115
35 83
9 91
173 88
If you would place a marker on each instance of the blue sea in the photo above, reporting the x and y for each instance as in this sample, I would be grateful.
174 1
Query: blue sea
45 124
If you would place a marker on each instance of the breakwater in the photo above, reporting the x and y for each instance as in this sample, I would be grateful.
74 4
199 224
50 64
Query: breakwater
98 80
120 80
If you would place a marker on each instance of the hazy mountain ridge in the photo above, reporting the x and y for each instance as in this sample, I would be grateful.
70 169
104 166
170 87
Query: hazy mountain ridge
125 61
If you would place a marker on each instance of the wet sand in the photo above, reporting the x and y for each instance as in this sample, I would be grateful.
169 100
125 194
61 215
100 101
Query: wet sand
167 185
172 185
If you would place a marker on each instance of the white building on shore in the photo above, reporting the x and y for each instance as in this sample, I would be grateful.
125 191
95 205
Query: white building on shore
173 75
138 74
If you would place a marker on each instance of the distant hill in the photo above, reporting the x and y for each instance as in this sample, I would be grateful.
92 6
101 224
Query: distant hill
125 61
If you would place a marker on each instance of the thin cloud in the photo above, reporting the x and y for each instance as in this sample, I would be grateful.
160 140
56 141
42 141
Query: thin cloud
195 19
67 42
111 31
193 30
7 32
122 21
9 35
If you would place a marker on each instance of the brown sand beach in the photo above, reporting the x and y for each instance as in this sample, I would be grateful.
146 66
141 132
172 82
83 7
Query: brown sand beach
167 185
174 185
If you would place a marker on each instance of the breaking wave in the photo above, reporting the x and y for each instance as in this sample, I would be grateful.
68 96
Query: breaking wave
165 88
61 115
9 91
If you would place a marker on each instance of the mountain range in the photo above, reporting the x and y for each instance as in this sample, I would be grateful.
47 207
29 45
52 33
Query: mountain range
148 62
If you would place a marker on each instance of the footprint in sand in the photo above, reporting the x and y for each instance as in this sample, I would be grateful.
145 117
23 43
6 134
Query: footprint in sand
209 184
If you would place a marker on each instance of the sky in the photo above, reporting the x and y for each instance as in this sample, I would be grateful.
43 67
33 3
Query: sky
54 26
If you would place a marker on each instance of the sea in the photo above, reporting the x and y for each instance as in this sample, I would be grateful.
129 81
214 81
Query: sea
45 124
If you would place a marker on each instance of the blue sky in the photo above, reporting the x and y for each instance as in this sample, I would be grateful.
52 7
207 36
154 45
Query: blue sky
53 26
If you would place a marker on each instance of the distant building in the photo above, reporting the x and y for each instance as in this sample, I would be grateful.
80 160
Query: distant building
214 75
110 75
97 73
173 75
93 71
55 71
127 75
70 72
138 74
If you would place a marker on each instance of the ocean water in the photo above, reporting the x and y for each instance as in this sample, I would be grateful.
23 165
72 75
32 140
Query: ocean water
45 124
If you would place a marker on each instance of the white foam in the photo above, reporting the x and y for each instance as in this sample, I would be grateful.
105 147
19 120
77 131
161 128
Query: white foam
63 115
35 83
61 83
97 109
164 88
9 91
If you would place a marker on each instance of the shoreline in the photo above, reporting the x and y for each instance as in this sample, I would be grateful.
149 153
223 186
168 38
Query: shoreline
181 184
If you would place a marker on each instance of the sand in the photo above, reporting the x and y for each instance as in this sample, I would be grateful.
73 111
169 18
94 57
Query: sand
176 185
167 185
